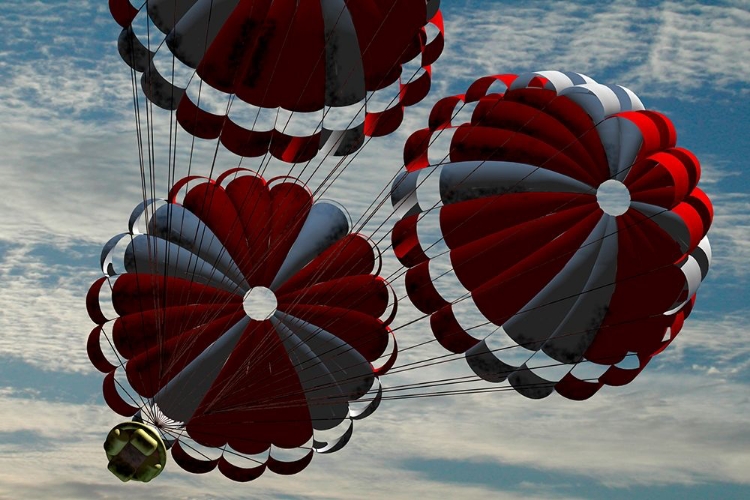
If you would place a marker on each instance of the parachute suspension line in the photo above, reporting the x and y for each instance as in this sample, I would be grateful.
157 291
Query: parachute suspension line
171 175
456 392
171 169
387 188
586 291
147 173
365 399
396 372
268 404
320 124
350 159
442 359
206 316
342 11
159 321
320 328
160 302
445 358
142 166
121 364
402 297
327 153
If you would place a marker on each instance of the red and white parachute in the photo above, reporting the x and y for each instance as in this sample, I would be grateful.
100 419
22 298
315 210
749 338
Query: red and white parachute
289 77
244 317
560 240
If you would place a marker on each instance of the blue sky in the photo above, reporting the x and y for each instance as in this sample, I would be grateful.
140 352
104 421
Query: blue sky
70 179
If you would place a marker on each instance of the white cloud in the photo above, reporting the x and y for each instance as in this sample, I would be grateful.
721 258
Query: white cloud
671 48
43 318
61 165
724 341
695 45
730 236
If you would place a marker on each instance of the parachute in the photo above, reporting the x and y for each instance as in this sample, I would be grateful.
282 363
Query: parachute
243 316
289 77
560 240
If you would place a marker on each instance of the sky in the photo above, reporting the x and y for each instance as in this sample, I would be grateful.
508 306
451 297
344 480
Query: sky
70 178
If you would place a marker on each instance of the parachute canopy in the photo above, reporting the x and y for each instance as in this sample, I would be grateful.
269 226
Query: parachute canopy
560 240
245 317
224 65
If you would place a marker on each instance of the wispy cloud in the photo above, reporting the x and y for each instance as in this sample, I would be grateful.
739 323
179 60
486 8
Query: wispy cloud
696 46
660 48
730 235
43 317
716 346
